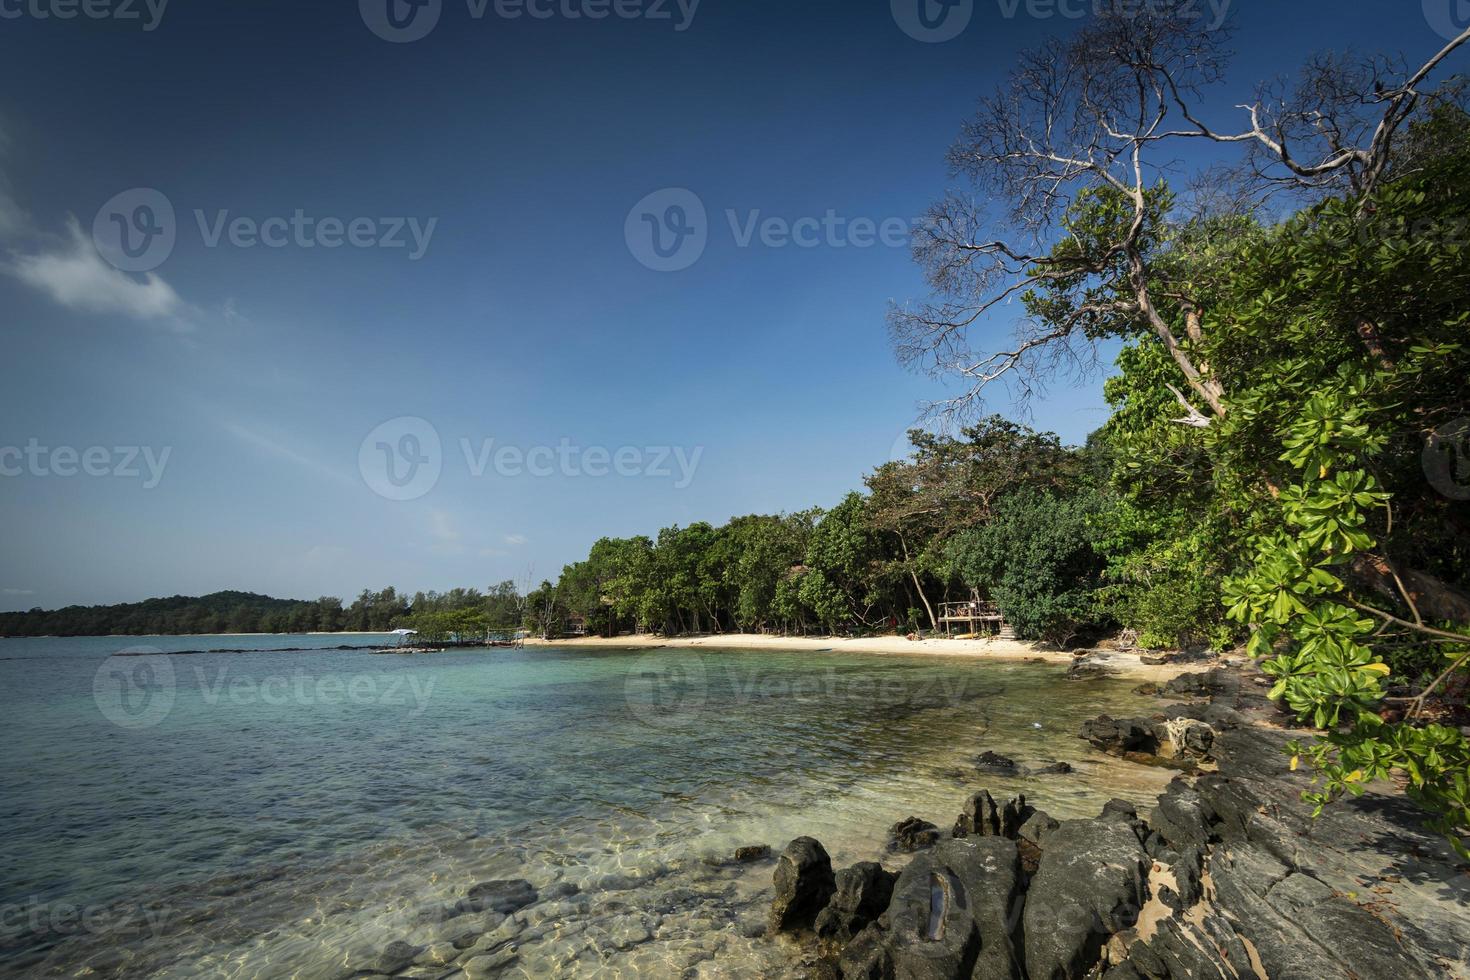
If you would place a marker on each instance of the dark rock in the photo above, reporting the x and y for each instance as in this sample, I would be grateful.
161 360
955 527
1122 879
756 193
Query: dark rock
1147 689
1299 925
1037 827
1178 741
1189 874
1089 886
804 885
991 764
1154 659
503 896
1198 685
1055 769
979 818
912 834
1121 735
1013 816
867 957
953 913
1182 818
1085 671
752 852
862 894
1206 949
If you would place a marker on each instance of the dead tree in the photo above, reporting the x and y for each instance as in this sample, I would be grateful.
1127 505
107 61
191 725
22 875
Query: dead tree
1069 159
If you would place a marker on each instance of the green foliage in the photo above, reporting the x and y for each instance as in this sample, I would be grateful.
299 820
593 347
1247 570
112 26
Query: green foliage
441 626
1038 558
219 612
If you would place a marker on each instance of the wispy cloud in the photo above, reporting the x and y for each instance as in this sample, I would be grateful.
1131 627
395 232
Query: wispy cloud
517 540
17 591
68 268
279 449
74 275
442 526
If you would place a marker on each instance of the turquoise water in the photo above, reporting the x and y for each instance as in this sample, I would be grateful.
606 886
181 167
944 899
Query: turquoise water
269 814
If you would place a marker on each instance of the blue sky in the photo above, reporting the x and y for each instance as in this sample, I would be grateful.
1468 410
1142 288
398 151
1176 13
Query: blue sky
518 146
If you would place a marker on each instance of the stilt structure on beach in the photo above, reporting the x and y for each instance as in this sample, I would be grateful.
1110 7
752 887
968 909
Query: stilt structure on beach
977 617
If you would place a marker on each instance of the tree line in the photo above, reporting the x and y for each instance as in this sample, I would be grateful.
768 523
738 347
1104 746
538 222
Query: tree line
499 607
997 510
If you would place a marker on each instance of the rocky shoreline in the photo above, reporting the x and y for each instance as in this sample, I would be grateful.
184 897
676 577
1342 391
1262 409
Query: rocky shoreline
1228 877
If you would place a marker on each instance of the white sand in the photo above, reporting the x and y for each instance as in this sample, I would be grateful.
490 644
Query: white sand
1124 663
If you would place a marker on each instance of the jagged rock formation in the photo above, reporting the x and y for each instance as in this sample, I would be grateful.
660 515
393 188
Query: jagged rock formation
1228 877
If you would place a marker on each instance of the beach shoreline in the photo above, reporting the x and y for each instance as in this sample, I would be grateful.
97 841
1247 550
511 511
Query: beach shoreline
1123 663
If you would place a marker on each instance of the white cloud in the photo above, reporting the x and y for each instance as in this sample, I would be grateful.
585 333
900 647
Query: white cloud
74 275
13 221
68 269
443 528
517 540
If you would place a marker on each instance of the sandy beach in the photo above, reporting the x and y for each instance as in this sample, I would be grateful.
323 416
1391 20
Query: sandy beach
1122 663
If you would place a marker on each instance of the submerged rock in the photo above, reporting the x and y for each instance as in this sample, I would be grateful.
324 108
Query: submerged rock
804 885
396 956
991 764
1085 671
488 965
912 834
752 852
503 896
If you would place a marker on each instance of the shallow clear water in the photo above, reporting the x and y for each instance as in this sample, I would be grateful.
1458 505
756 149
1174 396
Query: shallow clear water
269 814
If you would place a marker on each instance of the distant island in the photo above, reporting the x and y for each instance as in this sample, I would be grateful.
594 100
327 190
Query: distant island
249 612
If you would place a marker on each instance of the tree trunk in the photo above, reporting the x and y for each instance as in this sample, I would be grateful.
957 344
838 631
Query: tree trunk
933 623
1435 601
